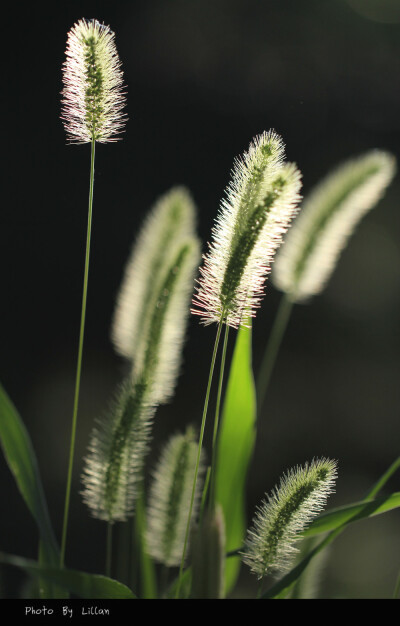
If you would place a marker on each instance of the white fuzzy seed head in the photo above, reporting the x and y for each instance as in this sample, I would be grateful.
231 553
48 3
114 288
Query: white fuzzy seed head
171 220
302 494
93 97
261 201
113 466
169 499
329 216
153 304
159 352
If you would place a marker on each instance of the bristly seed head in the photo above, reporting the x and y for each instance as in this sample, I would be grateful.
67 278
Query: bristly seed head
327 220
169 498
261 200
93 99
301 495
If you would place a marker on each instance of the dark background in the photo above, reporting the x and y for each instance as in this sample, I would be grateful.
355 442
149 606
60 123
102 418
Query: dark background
203 78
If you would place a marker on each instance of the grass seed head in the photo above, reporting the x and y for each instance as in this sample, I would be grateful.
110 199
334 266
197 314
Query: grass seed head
93 97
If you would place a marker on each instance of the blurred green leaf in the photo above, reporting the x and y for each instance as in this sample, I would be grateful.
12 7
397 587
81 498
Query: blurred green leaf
236 440
21 459
82 584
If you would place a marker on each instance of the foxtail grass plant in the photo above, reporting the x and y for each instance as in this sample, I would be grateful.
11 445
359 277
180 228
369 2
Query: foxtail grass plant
92 111
328 218
261 200
169 498
148 330
301 495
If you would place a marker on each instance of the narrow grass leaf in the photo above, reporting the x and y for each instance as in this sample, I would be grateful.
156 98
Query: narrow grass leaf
21 459
82 584
282 588
341 518
235 448
352 513
373 492
307 586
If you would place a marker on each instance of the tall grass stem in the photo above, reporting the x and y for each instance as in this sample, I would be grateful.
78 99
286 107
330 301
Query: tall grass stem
271 351
216 421
79 363
202 428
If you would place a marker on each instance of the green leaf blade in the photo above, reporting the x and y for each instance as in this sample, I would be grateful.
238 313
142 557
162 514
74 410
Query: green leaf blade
82 584
331 520
21 459
334 521
236 441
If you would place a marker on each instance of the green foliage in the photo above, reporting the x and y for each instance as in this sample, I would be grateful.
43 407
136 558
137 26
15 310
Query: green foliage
331 520
82 584
21 459
236 440
208 557
148 331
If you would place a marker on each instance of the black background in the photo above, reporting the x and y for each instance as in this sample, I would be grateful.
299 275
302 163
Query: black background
203 78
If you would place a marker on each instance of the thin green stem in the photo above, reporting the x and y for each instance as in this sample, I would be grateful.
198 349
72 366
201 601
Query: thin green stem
109 549
383 480
271 351
79 363
147 574
216 420
202 428
397 588
282 587
205 491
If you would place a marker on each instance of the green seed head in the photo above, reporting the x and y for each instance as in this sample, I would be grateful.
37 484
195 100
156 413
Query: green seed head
170 495
301 495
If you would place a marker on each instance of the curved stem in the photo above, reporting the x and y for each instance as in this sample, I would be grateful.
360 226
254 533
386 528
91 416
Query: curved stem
79 363
203 424
271 351
216 420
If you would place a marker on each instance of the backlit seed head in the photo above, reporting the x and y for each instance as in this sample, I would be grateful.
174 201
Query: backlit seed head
261 200
93 97
301 495
329 216
152 310
169 498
